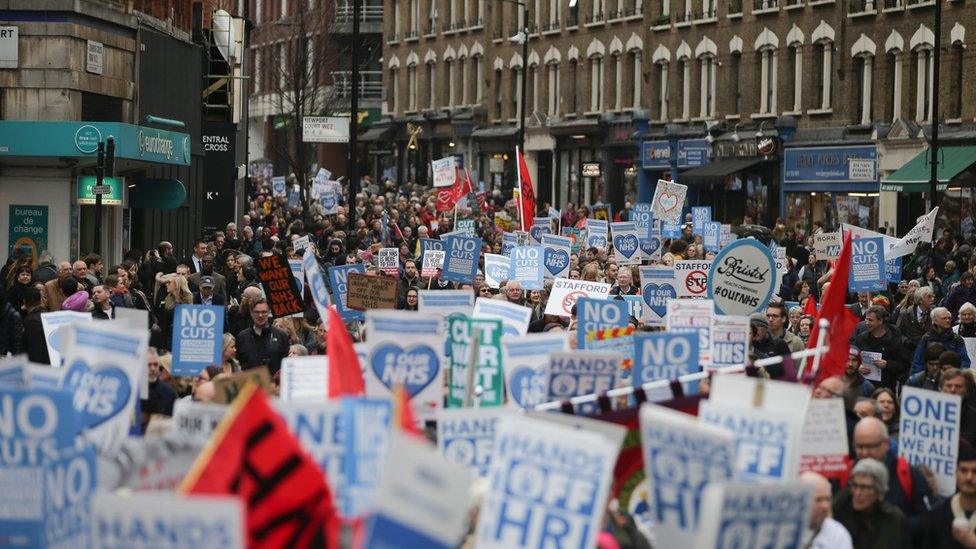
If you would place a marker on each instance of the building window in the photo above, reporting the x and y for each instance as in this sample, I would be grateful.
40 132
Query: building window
450 82
665 11
553 14
553 88
767 81
685 88
635 67
479 88
412 84
894 84
707 88
396 19
533 84
515 89
498 94
957 64
463 69
395 90
796 58
736 69
574 84
615 81
596 83
256 72
662 90
864 76
923 84
431 87
414 17
824 51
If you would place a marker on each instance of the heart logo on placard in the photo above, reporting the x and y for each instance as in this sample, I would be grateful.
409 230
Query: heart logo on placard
651 245
99 394
598 241
656 297
528 386
668 201
556 260
626 244
498 272
54 339
537 231
415 367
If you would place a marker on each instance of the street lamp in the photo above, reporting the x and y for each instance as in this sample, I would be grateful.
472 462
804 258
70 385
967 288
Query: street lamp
523 36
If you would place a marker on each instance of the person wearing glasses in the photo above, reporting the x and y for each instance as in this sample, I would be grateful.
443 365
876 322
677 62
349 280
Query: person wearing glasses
262 344
906 487
776 316
862 509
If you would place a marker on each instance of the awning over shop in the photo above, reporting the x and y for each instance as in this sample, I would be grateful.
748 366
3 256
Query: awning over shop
914 177
717 170
495 132
378 133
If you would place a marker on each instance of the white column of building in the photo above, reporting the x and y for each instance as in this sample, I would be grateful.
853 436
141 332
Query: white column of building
866 103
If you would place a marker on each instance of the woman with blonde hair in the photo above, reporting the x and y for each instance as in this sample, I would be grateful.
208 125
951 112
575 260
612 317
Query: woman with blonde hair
177 293
229 362
591 273
298 329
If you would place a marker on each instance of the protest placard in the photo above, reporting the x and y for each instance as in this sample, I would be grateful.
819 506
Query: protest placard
445 302
526 362
104 364
365 292
597 232
868 271
329 197
668 201
823 443
730 340
433 260
300 244
444 171
635 304
509 241
700 216
725 235
565 292
157 463
197 420
466 227
582 372
198 338
827 245
767 437
750 515
277 280
681 458
297 272
575 234
540 226
427 244
339 281
423 500
53 336
304 378
278 189
164 519
364 427
527 267
712 236
489 374
921 232
657 288
406 348
643 219
664 356
466 436
461 262
497 269
595 314
691 277
742 277
556 255
929 433
570 492
626 245
388 261
515 318
693 316
226 388
316 283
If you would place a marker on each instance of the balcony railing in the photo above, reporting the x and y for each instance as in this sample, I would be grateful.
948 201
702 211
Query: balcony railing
892 4
370 84
791 3
412 33
597 17
430 28
572 20
735 7
706 14
764 4
367 14
862 6
550 26
683 17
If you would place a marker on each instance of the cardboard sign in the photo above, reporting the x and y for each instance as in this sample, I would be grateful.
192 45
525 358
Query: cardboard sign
681 458
527 267
868 271
318 427
53 336
365 431
444 171
599 314
388 261
164 519
526 362
198 338
664 355
316 284
461 262
515 318
158 463
597 232
406 348
657 288
366 292
626 244
556 256
823 444
750 515
742 278
700 215
197 420
304 378
433 260
277 280
687 316
691 278
420 480
497 269
227 388
488 364
565 293
668 201
524 449
578 373
730 340
339 281
827 245
725 235
929 433
466 436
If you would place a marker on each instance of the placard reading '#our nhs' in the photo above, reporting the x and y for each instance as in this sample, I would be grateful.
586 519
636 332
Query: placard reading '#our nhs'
626 245
406 348
164 519
549 486
526 362
557 255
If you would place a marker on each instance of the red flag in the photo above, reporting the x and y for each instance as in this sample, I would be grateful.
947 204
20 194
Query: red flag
402 413
811 307
445 198
842 321
526 192
345 375
252 454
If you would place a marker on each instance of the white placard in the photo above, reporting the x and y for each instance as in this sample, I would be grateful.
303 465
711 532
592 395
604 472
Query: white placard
823 443
565 292
304 378
691 277
929 433
165 519
197 420
445 171
515 318
54 336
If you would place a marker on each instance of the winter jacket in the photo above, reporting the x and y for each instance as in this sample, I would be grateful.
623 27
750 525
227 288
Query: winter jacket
911 327
11 330
882 526
265 349
892 351
949 339
959 295
35 344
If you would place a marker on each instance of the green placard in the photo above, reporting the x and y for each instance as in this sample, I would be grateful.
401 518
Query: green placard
27 229
490 374
85 196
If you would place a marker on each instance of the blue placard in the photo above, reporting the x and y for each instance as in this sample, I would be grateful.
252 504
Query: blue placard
868 271
430 244
599 314
318 427
643 218
656 155
893 270
461 261
540 226
597 231
465 436
636 304
294 201
509 241
198 338
556 255
826 164
711 236
664 356
527 266
365 424
670 230
37 424
575 374
699 216
339 281
693 153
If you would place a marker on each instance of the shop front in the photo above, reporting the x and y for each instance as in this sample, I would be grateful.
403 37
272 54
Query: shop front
579 142
832 184
669 159
496 157
621 164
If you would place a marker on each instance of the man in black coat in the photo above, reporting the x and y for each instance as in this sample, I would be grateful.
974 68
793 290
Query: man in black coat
35 344
262 344
941 530
878 338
